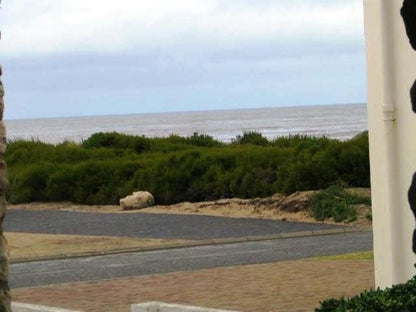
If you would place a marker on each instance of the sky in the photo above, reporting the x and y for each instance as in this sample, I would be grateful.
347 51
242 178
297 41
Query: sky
100 57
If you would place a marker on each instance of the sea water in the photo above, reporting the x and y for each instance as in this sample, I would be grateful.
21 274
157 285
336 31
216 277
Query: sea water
335 121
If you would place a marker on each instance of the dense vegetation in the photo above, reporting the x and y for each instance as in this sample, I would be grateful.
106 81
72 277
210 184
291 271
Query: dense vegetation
108 166
400 297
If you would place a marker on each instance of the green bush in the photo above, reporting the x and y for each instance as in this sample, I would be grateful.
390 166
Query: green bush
108 166
352 161
29 185
117 140
400 297
202 140
251 137
317 163
294 140
337 203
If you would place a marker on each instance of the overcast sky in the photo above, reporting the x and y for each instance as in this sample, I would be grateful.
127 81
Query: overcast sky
95 57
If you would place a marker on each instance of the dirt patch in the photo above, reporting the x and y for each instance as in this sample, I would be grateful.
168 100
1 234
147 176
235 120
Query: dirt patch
295 207
26 245
260 208
65 206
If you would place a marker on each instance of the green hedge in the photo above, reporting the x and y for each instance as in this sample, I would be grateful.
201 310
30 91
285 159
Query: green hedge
400 297
108 166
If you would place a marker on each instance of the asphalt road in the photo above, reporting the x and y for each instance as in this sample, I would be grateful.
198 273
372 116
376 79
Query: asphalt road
143 263
145 225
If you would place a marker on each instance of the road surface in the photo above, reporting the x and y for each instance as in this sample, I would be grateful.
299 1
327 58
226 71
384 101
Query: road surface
144 225
183 259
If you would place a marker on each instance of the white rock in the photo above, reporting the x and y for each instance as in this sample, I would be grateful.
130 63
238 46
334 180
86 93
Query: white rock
137 200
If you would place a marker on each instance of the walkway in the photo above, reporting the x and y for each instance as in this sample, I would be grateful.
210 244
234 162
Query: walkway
274 287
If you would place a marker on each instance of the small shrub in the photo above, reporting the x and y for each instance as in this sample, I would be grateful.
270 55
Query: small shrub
335 202
117 140
400 297
292 140
202 140
251 137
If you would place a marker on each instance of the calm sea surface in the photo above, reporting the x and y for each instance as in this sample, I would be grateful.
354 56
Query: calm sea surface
335 121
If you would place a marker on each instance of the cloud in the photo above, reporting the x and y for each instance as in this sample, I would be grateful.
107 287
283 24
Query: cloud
109 84
195 26
66 57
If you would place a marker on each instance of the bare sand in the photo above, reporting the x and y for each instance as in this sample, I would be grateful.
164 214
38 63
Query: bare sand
23 246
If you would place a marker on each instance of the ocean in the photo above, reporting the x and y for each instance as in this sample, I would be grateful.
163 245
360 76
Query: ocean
335 121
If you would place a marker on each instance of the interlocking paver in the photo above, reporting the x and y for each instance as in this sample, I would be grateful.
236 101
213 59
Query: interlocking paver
281 286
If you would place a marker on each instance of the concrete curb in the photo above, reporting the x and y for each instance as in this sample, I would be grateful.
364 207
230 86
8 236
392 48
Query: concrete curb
200 243
24 307
164 307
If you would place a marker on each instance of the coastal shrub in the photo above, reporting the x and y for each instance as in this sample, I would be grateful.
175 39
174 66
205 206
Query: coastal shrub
401 297
202 140
29 184
29 152
186 176
353 164
251 137
311 167
117 140
337 203
108 166
318 163
176 143
294 140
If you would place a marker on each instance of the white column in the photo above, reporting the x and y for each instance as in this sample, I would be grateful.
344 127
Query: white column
391 71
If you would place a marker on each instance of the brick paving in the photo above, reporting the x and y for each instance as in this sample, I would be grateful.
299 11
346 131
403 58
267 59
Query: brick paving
282 286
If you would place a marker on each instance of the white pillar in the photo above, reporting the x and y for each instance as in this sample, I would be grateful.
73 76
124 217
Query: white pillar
391 72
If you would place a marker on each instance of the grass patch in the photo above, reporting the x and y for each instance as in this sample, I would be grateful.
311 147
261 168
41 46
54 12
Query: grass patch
363 255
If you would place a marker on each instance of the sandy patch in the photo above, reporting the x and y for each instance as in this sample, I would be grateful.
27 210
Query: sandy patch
26 245
65 206
234 208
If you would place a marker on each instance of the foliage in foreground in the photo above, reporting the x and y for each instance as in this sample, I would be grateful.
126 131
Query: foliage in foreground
337 203
400 297
109 166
